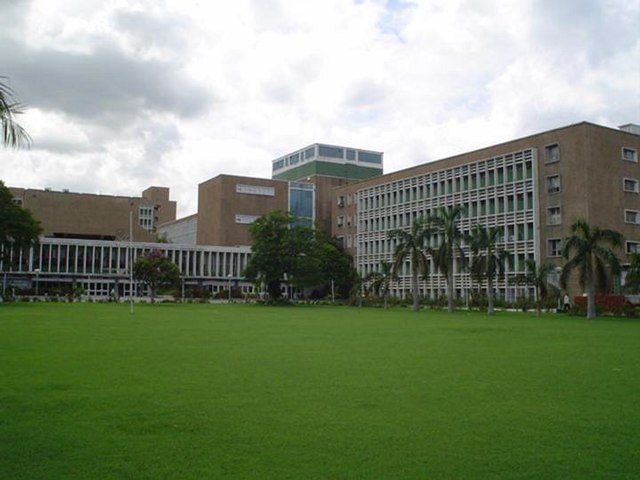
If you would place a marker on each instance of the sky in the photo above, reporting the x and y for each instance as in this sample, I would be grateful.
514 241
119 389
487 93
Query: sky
125 94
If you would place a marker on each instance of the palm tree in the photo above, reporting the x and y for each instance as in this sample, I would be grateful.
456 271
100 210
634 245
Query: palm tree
537 277
411 244
445 223
589 251
632 279
488 258
380 282
13 135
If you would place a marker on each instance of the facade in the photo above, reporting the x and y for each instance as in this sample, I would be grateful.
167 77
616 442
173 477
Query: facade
228 204
327 167
532 188
100 267
183 231
98 217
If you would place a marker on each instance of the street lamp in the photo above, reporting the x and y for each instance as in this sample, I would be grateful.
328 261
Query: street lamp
37 271
229 277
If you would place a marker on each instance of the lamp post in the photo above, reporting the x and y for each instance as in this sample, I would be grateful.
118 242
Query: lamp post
131 261
229 277
37 271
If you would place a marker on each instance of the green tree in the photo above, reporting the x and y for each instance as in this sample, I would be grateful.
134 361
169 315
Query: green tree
445 224
411 244
488 259
537 278
156 271
589 251
13 135
18 229
285 251
271 251
380 280
335 264
632 279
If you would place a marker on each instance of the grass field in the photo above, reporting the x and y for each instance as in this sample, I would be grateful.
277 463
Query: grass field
238 391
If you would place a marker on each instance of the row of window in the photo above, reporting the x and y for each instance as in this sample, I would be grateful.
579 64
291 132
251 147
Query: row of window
505 204
327 151
554 247
111 258
552 154
520 232
450 186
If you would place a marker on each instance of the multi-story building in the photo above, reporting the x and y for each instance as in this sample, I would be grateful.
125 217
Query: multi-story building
327 167
532 188
68 214
102 267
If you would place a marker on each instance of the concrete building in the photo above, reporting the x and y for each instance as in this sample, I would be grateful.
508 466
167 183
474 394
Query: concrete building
101 267
532 188
98 217
327 167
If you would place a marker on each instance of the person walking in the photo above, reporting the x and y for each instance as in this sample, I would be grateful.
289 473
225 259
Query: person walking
566 302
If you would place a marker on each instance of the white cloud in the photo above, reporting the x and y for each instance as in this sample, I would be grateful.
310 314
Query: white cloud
128 93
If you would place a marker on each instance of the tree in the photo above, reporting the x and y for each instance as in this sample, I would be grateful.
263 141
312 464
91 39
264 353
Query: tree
336 266
318 261
13 135
156 270
380 282
445 224
488 259
272 251
537 278
588 250
18 228
411 244
285 251
632 279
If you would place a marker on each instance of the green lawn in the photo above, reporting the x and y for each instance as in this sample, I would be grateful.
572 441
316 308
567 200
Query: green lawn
199 391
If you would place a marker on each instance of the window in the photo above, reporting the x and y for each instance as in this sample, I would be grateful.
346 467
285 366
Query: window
16 201
278 165
629 154
145 218
632 216
351 154
331 152
552 153
554 247
553 184
369 157
632 247
340 221
245 219
341 200
309 152
256 190
553 216
630 185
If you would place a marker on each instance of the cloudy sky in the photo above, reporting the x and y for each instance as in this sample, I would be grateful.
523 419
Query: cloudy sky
123 94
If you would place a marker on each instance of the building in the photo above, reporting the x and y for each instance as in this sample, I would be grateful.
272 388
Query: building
102 267
87 216
532 188
302 183
327 167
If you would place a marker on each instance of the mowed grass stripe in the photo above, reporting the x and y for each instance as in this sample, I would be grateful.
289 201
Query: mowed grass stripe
240 391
